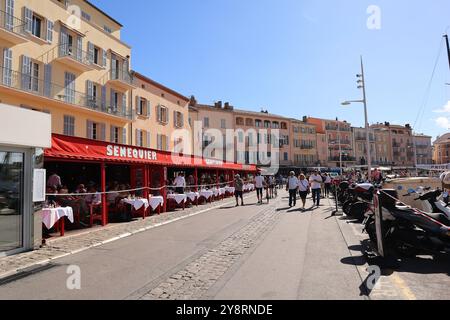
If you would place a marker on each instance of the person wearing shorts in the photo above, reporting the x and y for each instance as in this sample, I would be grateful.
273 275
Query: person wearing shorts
259 185
238 188
303 187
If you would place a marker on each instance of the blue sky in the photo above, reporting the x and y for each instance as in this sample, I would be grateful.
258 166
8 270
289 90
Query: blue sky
296 57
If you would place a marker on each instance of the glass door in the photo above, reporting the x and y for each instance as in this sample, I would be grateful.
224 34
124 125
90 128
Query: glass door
11 200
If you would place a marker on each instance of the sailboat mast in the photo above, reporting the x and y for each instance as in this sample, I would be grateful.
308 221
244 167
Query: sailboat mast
448 49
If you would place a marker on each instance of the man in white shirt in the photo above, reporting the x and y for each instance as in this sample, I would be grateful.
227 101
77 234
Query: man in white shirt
315 180
259 185
180 183
292 187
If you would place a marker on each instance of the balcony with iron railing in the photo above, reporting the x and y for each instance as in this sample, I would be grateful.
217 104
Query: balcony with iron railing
122 79
12 29
71 56
344 159
27 84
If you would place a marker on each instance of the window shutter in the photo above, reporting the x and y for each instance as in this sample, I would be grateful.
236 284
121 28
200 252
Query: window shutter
90 52
138 104
102 132
175 119
124 104
158 142
7 65
148 139
111 133
104 58
50 26
28 17
48 80
113 67
104 98
80 49
9 22
90 93
181 120
63 42
167 144
158 113
137 137
149 105
26 73
112 101
88 129
124 135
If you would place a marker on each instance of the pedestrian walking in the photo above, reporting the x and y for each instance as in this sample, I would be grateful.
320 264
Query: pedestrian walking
292 187
259 185
238 189
315 180
327 183
303 186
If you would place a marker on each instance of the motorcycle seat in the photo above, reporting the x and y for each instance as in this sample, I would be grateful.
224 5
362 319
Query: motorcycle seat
442 218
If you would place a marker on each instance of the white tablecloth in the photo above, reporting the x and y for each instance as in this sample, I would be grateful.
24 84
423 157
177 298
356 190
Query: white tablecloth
222 191
50 216
192 195
156 201
216 192
229 189
206 194
137 203
249 187
179 198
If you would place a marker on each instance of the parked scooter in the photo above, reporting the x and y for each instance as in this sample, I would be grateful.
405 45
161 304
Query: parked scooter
408 231
359 200
430 202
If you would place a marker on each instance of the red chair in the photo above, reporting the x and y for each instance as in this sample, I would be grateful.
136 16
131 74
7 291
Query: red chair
94 216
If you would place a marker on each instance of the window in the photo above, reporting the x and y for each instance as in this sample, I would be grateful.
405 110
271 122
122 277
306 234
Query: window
240 136
96 55
162 142
286 156
206 122
107 29
115 133
258 123
69 125
162 114
85 16
178 119
95 131
223 124
141 107
37 26
139 137
266 124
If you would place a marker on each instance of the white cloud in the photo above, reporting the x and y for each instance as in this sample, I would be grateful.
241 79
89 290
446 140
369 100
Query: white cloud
443 122
445 109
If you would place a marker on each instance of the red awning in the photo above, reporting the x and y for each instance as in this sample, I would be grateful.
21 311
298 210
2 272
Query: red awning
74 148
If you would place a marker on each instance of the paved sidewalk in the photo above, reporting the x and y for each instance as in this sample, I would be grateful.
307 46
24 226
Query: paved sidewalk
72 244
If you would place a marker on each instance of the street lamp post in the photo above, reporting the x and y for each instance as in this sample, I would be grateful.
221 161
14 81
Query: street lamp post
362 85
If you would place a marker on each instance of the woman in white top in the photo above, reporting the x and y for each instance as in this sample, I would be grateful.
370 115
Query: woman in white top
303 186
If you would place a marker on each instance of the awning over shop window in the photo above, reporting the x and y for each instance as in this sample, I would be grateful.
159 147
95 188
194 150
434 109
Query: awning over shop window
74 148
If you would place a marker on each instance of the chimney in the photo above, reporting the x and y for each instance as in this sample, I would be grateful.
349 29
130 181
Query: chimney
192 101
305 119
227 105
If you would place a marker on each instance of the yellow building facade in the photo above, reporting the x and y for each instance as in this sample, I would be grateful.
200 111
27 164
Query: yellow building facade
67 59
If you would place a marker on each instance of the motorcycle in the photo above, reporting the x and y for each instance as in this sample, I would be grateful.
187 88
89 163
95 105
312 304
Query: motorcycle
359 200
409 231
